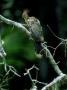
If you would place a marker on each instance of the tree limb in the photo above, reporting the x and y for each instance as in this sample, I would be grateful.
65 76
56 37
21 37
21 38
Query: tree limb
60 79
18 25
51 60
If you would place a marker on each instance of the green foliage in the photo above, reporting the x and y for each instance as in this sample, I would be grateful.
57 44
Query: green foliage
18 46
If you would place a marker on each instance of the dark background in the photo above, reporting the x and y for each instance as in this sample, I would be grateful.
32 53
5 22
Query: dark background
20 51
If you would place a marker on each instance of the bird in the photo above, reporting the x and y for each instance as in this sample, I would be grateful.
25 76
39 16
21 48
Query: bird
34 26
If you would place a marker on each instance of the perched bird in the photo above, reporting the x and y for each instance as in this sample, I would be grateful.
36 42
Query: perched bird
34 26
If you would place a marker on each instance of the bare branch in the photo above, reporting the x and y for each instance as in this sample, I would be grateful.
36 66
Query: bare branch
58 79
18 25
57 47
51 60
55 34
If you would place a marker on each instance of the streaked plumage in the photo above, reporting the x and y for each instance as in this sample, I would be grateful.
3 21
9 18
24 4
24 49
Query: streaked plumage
34 27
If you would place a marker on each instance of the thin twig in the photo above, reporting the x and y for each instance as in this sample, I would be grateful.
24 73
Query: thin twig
57 47
51 60
54 33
